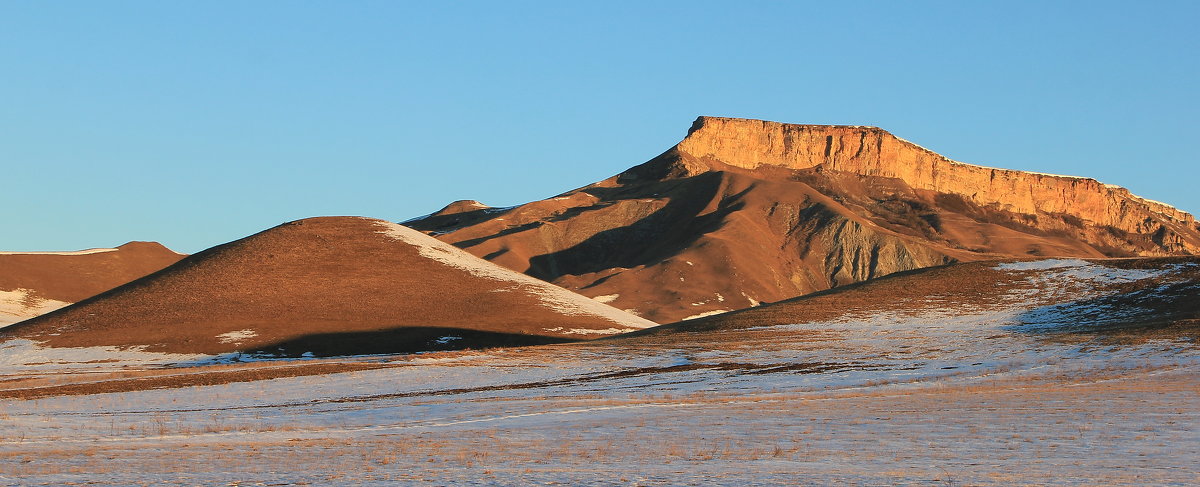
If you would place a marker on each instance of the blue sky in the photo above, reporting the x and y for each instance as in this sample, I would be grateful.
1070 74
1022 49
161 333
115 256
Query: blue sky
197 123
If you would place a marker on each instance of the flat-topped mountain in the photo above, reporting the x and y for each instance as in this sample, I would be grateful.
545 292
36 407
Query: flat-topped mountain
326 286
871 151
745 211
32 283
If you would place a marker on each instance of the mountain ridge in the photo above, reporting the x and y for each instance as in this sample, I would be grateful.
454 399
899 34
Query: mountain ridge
742 212
733 141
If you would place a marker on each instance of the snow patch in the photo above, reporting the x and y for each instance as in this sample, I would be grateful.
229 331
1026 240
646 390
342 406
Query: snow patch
706 313
21 304
554 297
607 298
69 252
1081 270
22 354
588 331
419 359
447 339
237 336
720 299
1054 175
1041 265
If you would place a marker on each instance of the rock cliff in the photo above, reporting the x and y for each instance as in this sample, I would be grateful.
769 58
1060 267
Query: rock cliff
870 151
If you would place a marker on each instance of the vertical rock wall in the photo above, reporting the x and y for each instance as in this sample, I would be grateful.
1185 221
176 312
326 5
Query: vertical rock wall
871 151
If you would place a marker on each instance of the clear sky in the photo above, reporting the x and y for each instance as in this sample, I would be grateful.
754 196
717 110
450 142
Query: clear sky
194 123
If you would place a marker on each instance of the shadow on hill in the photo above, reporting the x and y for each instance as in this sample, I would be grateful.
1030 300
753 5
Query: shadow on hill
1166 311
454 221
393 341
648 241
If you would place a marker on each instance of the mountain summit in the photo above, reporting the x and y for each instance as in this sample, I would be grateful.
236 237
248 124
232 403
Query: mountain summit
742 212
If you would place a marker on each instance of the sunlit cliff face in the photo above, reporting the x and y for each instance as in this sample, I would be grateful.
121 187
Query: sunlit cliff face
870 151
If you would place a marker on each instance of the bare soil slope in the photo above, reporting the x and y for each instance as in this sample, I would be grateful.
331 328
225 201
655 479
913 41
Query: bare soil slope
744 211
31 282
328 285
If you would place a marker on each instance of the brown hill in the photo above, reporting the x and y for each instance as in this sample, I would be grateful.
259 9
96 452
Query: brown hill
746 211
328 286
32 283
1135 296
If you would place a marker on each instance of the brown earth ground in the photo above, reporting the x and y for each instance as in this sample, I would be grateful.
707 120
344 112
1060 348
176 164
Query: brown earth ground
72 278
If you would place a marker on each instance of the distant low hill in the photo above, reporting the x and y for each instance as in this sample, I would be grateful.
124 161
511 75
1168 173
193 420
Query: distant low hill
743 212
32 283
326 286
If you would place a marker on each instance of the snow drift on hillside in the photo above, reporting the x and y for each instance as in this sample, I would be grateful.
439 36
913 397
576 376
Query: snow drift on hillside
552 296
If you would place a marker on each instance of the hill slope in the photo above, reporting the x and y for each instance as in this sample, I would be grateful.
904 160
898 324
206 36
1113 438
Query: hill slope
32 283
744 211
327 286
1117 297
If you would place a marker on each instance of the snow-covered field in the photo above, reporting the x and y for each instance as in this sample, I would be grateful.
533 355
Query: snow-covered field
934 393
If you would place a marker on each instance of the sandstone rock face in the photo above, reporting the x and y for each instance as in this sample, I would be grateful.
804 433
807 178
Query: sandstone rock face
743 212
870 151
